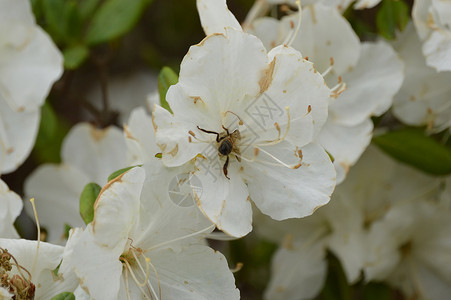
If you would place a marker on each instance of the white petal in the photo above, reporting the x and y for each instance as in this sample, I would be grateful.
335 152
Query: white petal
224 201
371 85
297 273
57 191
18 132
437 49
297 85
172 136
27 73
141 143
218 82
11 207
197 272
16 10
424 95
215 16
95 265
345 143
325 33
116 208
283 193
268 30
161 219
95 152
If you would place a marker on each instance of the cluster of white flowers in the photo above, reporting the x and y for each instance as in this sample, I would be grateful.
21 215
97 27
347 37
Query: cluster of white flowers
275 113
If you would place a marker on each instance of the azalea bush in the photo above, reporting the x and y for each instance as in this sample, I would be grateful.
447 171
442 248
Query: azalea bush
214 149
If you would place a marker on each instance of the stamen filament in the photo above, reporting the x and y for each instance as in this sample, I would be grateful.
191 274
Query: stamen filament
39 235
278 160
182 237
298 26
130 269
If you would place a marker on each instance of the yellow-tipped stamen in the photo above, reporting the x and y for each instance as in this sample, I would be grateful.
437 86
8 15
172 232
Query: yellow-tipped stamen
238 267
182 237
39 235
231 112
293 36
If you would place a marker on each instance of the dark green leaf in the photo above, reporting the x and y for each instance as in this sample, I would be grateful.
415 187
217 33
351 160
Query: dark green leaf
336 286
63 20
52 131
412 146
64 296
166 78
376 291
119 172
75 56
113 19
393 14
87 199
87 8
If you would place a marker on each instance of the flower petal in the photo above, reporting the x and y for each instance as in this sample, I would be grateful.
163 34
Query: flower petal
95 152
345 143
197 272
297 273
215 16
224 201
27 73
379 66
57 191
283 193
18 132
11 207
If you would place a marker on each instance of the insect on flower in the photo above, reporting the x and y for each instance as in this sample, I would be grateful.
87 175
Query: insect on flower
226 145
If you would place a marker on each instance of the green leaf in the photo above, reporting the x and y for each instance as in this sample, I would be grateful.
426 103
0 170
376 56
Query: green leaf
67 228
412 146
64 296
113 19
393 14
87 199
336 286
166 78
75 56
63 20
87 8
119 172
376 291
52 131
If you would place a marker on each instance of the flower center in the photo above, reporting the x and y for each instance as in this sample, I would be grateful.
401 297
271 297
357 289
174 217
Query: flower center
19 285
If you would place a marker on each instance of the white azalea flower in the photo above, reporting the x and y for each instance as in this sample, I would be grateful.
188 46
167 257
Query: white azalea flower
372 72
141 245
88 155
40 273
29 65
432 19
11 205
424 98
341 226
263 111
410 248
